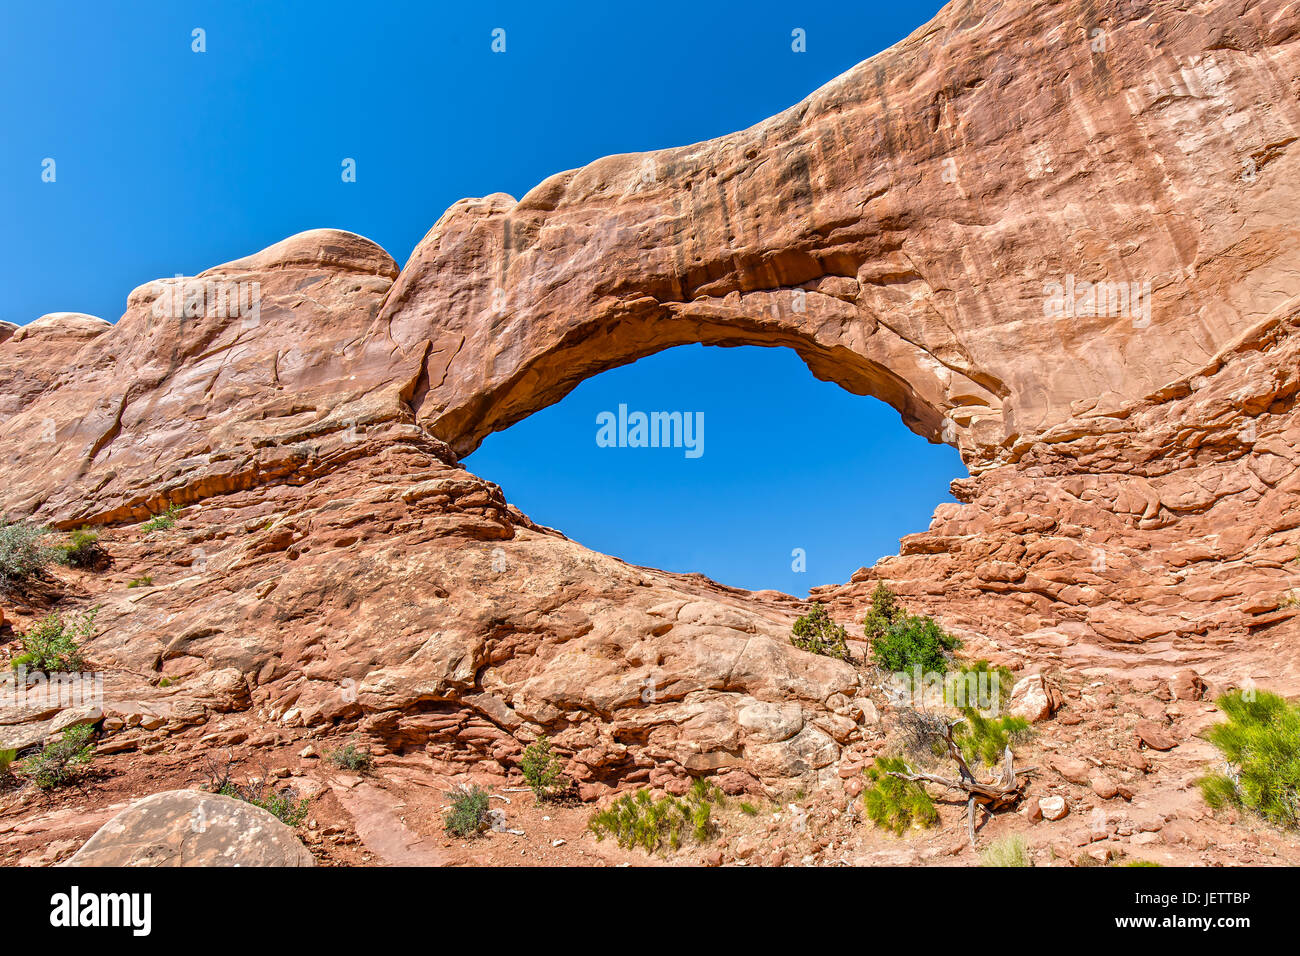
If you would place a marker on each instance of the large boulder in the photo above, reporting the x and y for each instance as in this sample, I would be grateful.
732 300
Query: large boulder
192 828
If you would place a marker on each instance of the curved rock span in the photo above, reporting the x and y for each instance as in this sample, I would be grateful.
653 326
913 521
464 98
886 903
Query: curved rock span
1061 236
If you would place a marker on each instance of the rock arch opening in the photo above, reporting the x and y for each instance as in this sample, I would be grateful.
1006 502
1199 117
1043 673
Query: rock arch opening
776 481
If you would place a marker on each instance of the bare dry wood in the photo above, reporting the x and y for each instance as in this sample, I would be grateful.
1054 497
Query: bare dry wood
992 795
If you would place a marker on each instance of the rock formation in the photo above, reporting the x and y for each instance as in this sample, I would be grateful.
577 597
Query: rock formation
190 828
1061 236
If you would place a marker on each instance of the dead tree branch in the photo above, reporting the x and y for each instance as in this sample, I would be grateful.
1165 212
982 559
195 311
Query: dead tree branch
992 795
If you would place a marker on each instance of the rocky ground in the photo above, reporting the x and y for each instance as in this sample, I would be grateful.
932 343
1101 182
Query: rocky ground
334 573
1123 754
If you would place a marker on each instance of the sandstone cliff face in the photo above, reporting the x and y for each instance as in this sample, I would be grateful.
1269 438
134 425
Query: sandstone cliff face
1134 490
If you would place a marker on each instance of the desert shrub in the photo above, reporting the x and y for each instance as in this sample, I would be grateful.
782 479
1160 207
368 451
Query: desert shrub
639 820
914 641
1010 851
351 756
61 761
163 521
141 582
54 644
1260 743
81 550
22 552
894 804
901 641
468 813
885 612
748 809
816 632
7 758
977 678
542 770
985 738
282 803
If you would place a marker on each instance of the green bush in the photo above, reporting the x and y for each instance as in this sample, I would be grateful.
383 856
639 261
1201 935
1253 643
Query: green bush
985 738
468 813
1010 851
54 644
894 804
163 521
914 641
61 761
978 679
351 756
141 582
21 552
542 770
1261 744
81 550
816 632
281 804
885 612
7 758
638 820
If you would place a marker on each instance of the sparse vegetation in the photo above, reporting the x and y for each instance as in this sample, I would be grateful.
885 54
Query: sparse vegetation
22 553
816 632
145 581
163 521
901 641
985 738
885 612
351 756
914 642
1009 851
748 809
7 758
542 770
978 679
282 803
1260 743
54 644
894 804
469 810
61 761
81 550
638 820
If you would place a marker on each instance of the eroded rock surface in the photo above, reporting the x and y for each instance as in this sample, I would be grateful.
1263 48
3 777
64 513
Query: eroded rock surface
1133 499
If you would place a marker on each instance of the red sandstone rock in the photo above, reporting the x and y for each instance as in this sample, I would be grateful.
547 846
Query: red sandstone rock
1133 486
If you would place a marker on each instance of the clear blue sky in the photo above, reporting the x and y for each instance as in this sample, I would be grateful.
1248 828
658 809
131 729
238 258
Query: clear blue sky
169 161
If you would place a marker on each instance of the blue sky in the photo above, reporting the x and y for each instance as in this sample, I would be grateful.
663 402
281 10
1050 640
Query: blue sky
169 161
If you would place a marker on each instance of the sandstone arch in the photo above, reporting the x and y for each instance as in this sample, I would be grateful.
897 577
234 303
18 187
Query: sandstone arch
922 202
1134 489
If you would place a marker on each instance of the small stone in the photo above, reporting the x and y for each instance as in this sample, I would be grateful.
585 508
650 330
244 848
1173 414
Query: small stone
1187 685
1151 734
1034 699
1104 787
1053 808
